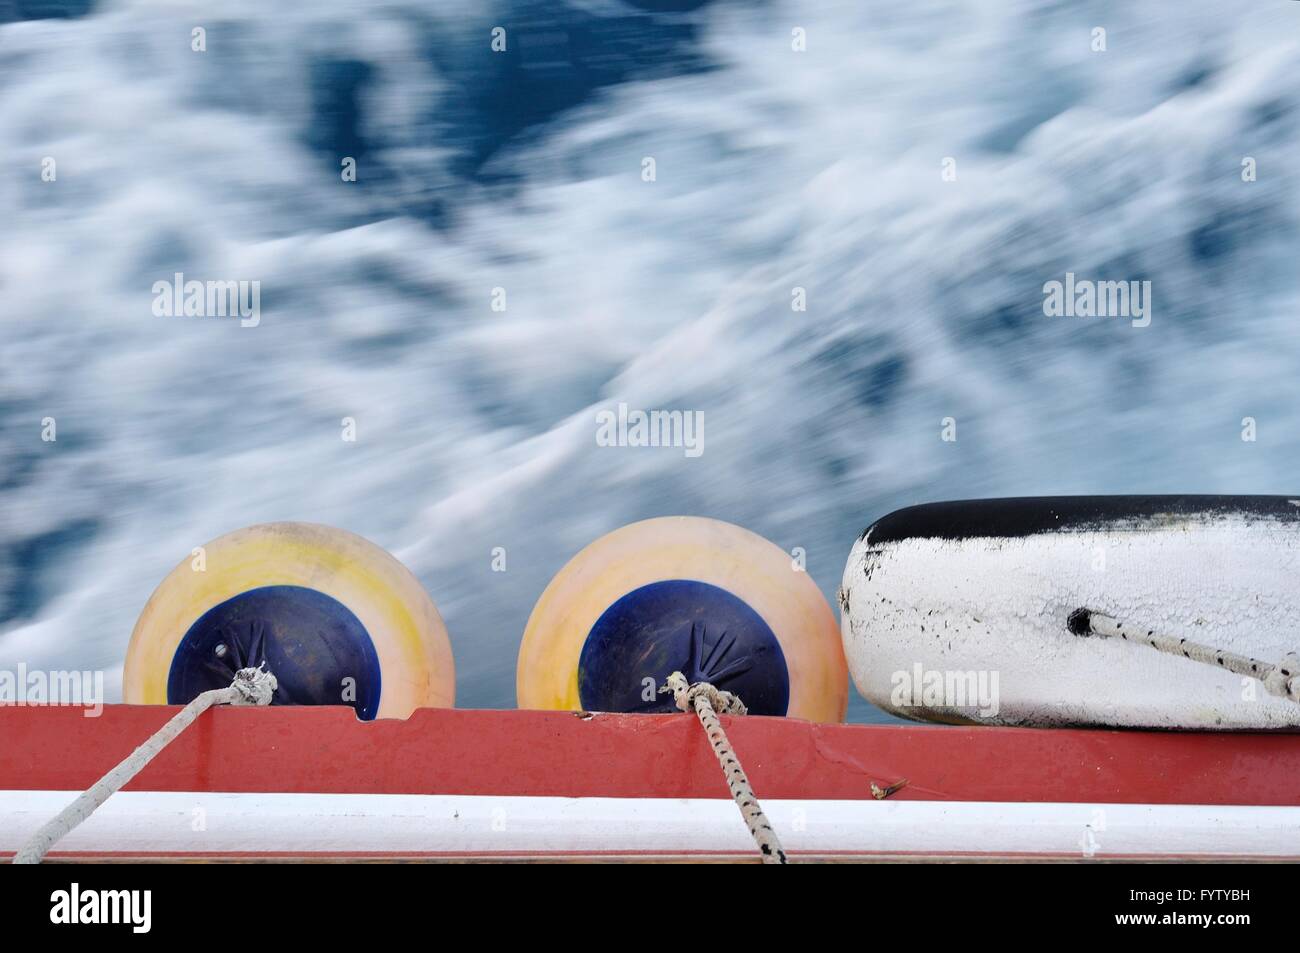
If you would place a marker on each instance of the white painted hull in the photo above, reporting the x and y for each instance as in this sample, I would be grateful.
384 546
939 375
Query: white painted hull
927 591
208 825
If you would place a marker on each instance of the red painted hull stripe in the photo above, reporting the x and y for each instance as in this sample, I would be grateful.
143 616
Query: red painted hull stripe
559 754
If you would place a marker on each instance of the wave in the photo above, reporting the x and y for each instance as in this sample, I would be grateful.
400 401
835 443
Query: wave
478 172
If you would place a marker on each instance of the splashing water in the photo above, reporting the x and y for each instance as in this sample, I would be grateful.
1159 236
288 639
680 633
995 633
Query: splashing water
775 170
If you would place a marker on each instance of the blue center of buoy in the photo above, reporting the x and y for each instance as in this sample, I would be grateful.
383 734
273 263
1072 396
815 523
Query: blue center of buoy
317 649
705 632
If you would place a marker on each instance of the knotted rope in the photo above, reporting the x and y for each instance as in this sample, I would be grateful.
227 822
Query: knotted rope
252 686
707 703
1280 678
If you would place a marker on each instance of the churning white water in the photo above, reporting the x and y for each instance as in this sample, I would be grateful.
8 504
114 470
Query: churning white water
518 178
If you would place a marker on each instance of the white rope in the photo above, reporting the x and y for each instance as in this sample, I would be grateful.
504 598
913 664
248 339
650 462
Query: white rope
707 702
252 686
1280 678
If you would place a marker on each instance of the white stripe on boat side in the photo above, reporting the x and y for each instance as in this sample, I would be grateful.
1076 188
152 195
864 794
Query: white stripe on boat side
211 823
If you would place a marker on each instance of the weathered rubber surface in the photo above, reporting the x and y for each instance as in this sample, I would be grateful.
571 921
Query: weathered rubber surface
977 593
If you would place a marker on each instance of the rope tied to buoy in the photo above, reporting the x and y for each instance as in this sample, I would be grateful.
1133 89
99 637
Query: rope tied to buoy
252 686
708 702
1280 678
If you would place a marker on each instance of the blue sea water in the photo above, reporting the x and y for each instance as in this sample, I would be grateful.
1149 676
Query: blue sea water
522 170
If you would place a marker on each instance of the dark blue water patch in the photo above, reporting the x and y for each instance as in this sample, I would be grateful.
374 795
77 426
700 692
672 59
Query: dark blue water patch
556 58
1223 232
1007 321
1195 76
19 468
669 6
308 640
1268 125
871 366
1003 316
1271 112
879 385
836 467
701 630
383 272
12 11
33 568
336 131
1211 240
336 85
20 444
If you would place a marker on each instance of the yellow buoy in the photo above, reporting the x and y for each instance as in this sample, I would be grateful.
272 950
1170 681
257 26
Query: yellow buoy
683 593
334 617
